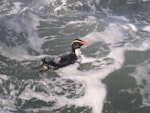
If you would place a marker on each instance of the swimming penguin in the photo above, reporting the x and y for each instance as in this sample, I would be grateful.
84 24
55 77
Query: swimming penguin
57 62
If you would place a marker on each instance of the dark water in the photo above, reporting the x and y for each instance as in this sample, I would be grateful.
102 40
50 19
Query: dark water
123 90
114 73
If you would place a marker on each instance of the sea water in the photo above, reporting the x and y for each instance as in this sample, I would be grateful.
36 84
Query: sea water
113 76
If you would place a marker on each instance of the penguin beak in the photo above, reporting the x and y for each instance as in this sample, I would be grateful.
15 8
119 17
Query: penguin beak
83 42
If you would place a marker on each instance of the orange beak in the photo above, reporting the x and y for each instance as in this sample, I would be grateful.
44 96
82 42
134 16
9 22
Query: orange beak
83 42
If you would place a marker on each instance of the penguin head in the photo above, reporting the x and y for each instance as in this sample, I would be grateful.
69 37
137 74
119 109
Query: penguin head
77 43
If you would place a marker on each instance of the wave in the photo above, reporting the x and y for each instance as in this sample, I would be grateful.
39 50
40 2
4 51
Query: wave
59 6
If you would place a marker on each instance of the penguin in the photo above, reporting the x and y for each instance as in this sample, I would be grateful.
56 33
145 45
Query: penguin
56 62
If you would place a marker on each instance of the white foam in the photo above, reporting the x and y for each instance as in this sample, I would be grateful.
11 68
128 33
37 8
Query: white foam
145 0
146 28
94 95
4 77
96 91
118 55
8 104
5 111
142 46
16 9
131 27
12 52
30 93
27 25
113 34
141 74
18 53
135 28
61 7
31 25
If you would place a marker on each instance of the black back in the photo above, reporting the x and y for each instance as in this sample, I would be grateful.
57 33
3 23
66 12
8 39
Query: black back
64 61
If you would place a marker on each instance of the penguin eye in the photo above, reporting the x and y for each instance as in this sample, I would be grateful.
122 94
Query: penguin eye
77 45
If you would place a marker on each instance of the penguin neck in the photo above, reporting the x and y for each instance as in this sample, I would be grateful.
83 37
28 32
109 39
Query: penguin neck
77 52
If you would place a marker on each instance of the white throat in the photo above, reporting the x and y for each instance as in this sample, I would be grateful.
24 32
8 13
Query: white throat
78 53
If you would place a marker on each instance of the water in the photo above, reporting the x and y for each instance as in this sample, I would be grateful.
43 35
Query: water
113 76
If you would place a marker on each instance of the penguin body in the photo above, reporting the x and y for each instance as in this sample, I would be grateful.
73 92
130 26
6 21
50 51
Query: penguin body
57 62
